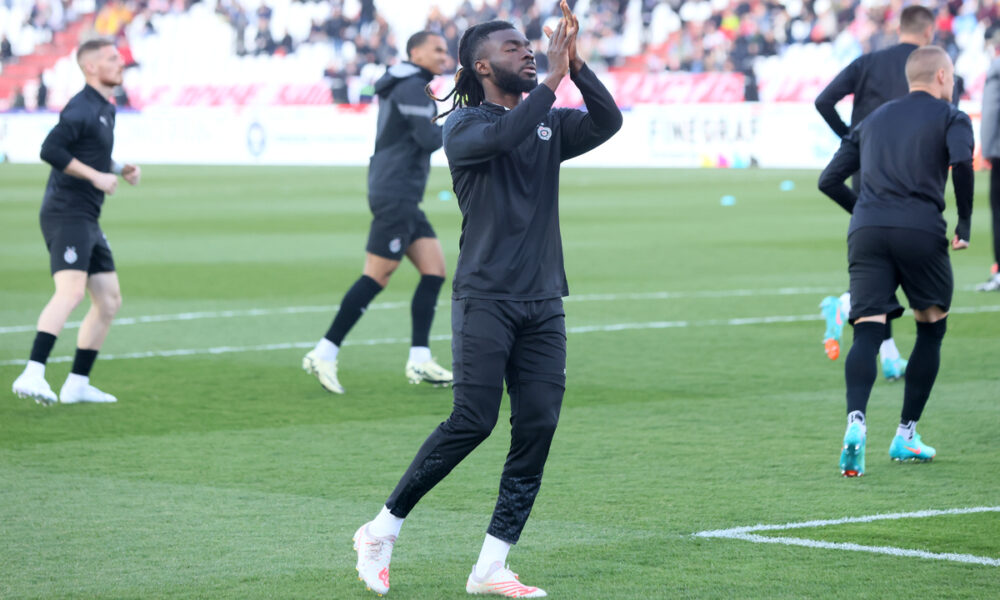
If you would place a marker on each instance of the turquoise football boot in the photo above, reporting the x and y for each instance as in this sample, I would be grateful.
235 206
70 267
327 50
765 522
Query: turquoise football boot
894 369
852 457
914 450
830 308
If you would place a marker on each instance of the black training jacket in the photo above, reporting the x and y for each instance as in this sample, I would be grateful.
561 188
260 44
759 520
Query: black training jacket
405 137
505 169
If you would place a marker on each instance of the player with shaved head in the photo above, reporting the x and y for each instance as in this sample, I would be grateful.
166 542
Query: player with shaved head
79 150
504 150
898 238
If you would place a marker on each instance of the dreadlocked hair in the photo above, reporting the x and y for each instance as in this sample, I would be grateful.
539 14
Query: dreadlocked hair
468 91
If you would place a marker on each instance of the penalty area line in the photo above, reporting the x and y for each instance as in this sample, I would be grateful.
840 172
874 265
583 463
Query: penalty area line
747 534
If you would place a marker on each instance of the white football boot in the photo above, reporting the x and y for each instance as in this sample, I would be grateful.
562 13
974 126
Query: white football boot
374 554
73 393
501 581
428 371
324 370
34 387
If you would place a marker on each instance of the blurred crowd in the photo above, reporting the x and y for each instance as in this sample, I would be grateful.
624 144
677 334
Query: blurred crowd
687 35
720 35
640 35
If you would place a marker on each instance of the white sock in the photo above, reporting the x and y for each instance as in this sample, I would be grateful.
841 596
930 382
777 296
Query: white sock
907 430
74 380
494 550
385 524
845 306
888 350
857 416
34 369
326 349
420 354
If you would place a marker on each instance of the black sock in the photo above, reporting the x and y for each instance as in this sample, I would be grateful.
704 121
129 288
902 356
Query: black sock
922 369
42 347
352 307
888 330
422 308
860 367
83 362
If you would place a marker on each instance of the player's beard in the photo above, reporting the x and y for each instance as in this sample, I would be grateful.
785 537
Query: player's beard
512 82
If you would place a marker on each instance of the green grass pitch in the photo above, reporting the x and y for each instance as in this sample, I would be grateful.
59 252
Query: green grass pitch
711 405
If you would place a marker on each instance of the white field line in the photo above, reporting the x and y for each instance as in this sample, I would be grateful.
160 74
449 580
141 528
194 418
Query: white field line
292 310
383 341
746 534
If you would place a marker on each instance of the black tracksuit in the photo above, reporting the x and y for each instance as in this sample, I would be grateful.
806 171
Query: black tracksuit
507 317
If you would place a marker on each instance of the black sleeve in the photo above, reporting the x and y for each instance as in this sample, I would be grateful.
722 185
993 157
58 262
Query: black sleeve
418 110
584 131
55 148
841 86
845 163
963 179
959 138
471 137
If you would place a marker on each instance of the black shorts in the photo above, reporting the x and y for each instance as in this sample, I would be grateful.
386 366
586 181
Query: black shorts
76 243
395 225
884 258
494 340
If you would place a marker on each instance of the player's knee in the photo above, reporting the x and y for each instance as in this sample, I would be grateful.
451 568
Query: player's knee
933 314
934 330
539 430
108 305
381 275
114 304
474 427
482 428
435 268
475 412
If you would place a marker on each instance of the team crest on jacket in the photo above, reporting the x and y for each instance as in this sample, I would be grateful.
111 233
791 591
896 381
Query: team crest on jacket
395 245
544 133
70 255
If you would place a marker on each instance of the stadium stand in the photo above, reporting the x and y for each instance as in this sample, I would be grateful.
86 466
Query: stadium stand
331 50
